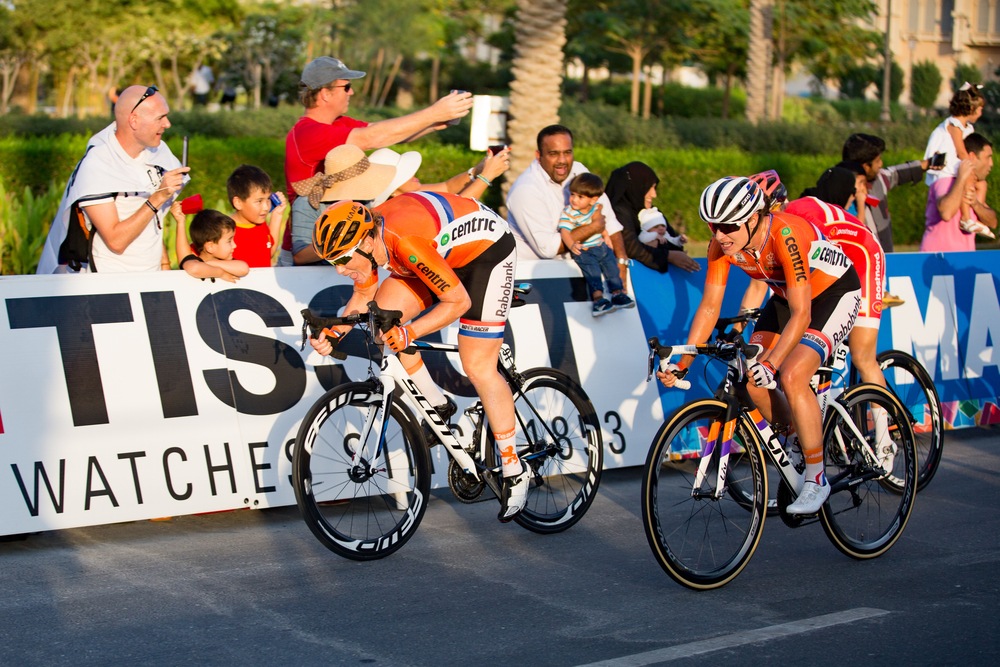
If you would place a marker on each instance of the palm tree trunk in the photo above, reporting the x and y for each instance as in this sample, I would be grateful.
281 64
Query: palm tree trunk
535 92
759 58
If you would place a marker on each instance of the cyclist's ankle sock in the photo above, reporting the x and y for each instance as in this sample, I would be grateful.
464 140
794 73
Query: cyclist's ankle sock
814 466
508 453
815 473
422 378
881 418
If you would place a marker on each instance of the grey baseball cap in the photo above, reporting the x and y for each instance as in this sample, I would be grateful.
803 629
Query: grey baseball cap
325 70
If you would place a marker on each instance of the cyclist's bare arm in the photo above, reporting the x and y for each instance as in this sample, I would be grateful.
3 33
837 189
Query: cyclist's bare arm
754 296
704 321
451 305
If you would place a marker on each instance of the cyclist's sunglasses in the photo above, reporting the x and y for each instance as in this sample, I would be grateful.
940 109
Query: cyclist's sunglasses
727 229
346 87
149 91
347 256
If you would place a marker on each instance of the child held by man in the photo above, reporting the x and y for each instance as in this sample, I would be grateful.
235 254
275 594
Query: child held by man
594 255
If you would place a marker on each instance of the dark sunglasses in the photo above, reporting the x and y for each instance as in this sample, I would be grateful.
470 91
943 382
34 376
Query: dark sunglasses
149 91
346 87
347 256
726 228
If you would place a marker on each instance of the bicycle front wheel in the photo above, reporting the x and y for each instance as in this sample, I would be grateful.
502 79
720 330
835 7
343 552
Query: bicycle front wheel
701 533
910 382
559 437
369 508
864 515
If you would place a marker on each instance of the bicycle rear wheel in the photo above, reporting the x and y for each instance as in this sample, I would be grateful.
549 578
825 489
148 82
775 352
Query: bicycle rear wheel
369 510
701 535
910 382
864 516
559 437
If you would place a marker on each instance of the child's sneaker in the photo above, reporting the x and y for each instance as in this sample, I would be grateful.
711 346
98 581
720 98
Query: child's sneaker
622 300
891 301
976 227
602 307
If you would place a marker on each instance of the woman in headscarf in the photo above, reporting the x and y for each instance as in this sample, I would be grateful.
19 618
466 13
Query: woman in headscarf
631 189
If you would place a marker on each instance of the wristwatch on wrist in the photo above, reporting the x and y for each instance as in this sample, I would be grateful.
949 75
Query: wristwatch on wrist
624 261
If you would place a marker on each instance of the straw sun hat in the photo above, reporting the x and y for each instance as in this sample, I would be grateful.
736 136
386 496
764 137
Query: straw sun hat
347 174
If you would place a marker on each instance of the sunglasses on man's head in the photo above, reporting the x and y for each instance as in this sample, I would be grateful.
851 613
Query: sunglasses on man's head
346 87
149 91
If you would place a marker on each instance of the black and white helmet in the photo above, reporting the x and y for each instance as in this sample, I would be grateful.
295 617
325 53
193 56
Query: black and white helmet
730 200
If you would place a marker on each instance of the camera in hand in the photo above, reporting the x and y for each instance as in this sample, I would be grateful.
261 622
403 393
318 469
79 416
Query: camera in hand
937 160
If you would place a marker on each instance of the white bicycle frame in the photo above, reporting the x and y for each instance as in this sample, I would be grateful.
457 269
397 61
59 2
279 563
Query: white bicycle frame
827 396
393 377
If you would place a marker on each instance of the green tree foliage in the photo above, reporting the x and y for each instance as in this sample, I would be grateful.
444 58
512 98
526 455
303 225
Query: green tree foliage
828 36
720 42
964 72
856 81
925 84
896 77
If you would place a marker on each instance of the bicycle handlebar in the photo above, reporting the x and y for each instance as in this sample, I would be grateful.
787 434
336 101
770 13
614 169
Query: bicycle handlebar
744 316
724 347
378 319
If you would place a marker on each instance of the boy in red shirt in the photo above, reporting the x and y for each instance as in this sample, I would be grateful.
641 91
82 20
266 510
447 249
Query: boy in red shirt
258 218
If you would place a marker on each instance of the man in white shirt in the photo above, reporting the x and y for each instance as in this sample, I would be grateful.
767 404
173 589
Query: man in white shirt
124 184
538 196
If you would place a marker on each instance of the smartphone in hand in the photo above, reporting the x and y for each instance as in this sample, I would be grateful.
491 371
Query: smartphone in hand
497 148
937 160
184 153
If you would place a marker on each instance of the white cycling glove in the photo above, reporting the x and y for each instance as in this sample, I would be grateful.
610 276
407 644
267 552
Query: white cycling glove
763 374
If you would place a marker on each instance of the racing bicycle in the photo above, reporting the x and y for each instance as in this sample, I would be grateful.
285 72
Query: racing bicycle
910 382
705 483
361 465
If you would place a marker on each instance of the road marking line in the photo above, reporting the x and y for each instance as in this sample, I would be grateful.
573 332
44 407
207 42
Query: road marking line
740 638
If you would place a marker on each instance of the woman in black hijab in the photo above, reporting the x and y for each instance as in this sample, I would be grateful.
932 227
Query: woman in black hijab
631 189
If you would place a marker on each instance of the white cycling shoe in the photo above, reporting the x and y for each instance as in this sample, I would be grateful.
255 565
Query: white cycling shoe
515 492
811 499
887 455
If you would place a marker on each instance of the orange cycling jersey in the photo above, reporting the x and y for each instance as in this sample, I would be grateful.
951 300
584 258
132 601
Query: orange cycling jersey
794 253
430 234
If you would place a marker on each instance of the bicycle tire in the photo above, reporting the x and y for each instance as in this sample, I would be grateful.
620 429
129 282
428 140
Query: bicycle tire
563 445
911 383
701 541
863 516
360 514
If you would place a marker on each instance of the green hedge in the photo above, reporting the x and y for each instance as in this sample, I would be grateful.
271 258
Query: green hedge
39 163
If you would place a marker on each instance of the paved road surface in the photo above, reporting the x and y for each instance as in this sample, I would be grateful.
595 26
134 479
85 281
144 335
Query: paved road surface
255 588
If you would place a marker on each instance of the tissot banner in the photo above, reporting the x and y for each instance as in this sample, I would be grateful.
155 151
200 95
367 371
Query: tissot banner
138 396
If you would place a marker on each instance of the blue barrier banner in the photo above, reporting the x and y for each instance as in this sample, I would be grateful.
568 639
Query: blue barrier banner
950 322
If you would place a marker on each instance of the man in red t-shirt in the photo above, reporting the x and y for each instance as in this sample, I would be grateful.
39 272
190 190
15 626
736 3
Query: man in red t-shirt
325 91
